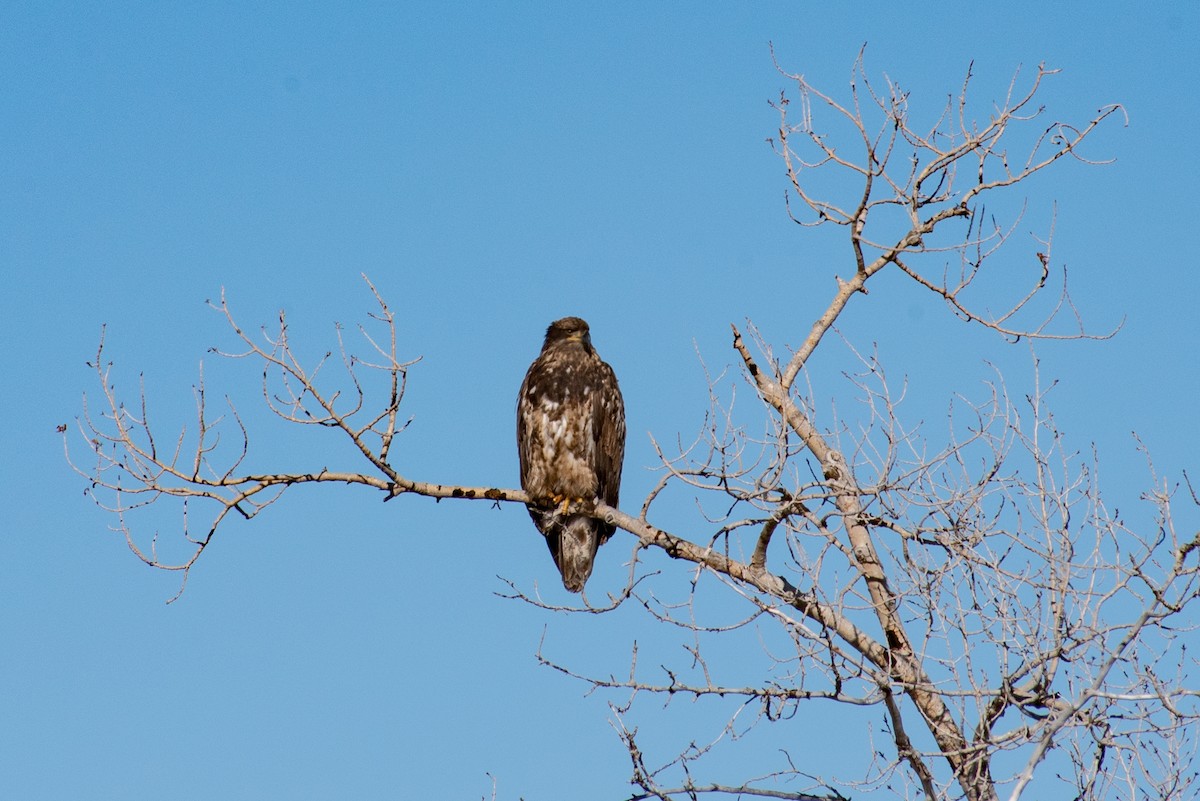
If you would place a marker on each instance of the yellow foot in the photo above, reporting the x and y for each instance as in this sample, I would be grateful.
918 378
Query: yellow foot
565 501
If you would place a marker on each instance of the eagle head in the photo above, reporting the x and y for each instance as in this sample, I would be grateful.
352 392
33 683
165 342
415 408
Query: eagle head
567 330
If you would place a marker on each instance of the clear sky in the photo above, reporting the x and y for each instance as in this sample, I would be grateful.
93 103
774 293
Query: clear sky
491 167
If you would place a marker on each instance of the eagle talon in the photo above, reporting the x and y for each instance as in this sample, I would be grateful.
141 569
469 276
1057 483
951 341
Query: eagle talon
552 501
566 501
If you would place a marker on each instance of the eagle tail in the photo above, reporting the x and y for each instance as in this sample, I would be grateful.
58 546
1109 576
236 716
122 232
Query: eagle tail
573 543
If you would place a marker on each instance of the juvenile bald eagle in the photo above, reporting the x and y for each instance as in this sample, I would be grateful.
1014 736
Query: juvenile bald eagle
571 441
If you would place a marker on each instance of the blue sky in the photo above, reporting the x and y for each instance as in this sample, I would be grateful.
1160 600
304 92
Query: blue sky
491 167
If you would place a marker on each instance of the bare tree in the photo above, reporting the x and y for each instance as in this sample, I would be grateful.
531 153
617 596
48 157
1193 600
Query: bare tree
975 592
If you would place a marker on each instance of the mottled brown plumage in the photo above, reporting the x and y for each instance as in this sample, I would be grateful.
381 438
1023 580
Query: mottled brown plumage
571 442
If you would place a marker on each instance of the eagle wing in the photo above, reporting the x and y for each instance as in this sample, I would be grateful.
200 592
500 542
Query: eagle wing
608 424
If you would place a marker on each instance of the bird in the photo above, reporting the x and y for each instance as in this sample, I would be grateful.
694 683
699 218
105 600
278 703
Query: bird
571 445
